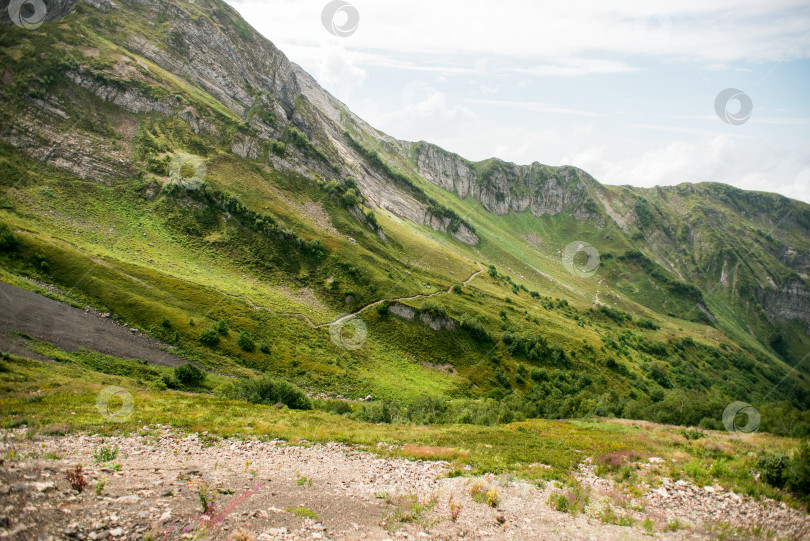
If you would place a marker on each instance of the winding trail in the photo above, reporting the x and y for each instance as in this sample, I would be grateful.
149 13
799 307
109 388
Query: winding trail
398 299
350 315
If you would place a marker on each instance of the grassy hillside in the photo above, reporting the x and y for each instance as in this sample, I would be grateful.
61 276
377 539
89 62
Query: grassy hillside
147 193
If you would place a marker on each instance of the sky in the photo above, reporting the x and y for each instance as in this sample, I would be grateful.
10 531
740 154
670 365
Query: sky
635 92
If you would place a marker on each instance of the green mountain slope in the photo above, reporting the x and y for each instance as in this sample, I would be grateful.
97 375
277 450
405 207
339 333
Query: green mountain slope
162 161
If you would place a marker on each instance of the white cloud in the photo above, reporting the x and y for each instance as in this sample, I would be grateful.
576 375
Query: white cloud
424 110
537 106
337 70
511 81
748 163
573 67
717 32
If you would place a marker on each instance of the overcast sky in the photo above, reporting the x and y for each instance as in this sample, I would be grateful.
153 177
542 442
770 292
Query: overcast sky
626 90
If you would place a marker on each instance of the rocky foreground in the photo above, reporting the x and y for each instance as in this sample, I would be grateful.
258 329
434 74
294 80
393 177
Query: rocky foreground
159 483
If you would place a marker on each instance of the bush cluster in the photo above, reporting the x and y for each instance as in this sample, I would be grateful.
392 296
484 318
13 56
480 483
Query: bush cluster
270 391
785 472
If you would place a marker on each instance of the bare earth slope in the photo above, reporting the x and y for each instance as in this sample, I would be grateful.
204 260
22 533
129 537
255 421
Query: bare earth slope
70 328
275 490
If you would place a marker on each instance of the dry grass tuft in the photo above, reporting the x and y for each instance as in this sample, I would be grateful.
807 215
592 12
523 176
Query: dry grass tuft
427 452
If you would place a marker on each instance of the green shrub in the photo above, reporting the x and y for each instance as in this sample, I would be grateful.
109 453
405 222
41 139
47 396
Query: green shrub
800 469
168 381
658 373
105 453
340 407
8 241
245 341
436 310
209 337
221 327
774 469
264 347
474 325
502 378
189 375
539 374
266 390
278 148
648 324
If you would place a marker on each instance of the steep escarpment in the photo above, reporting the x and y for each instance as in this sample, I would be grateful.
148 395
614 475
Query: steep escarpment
503 187
239 87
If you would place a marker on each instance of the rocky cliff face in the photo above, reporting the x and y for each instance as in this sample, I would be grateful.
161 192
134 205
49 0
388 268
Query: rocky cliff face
506 187
790 301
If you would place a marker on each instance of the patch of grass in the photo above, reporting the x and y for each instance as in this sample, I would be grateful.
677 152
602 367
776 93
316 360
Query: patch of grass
427 452
303 512
100 484
409 508
105 453
607 515
206 494
480 492
572 499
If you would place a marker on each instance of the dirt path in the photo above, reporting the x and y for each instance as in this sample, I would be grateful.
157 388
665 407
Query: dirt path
70 328
273 490
413 297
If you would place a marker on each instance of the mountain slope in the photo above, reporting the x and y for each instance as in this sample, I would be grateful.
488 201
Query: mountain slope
162 161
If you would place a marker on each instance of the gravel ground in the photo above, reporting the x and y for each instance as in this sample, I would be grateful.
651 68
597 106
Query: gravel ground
152 492
70 329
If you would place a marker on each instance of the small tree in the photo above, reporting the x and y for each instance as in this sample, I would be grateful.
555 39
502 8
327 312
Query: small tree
8 242
221 327
209 337
267 390
189 375
245 341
